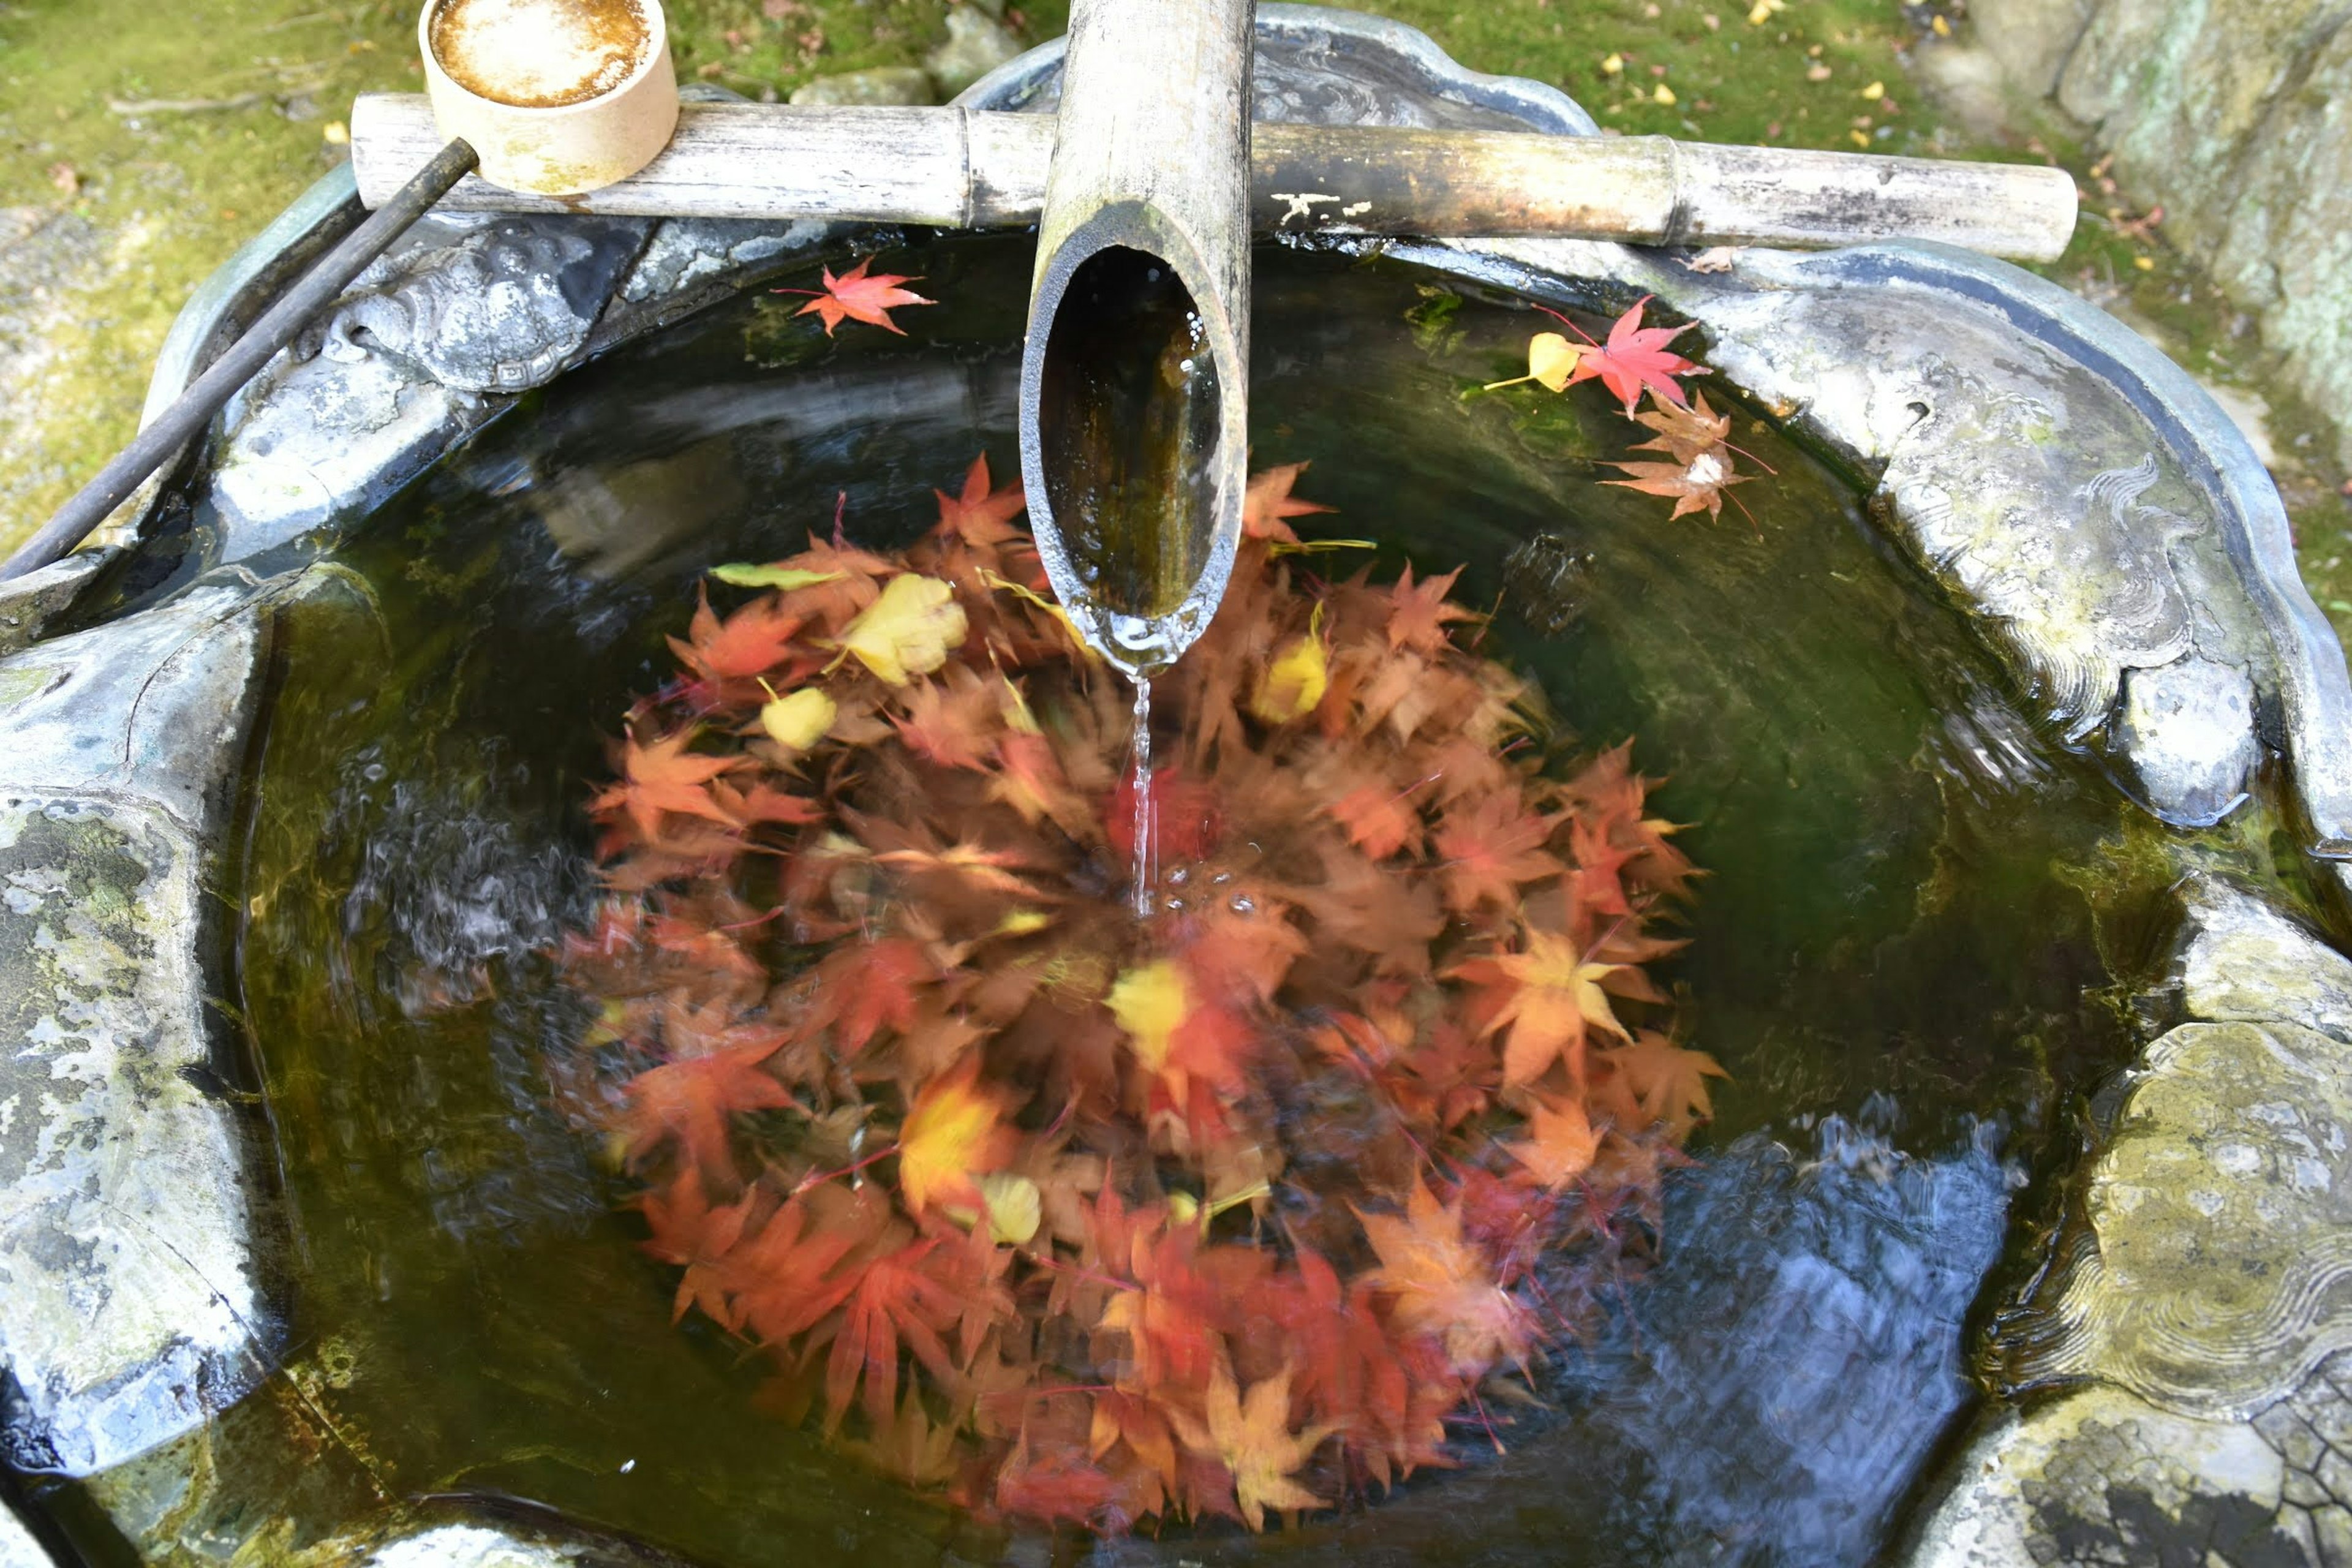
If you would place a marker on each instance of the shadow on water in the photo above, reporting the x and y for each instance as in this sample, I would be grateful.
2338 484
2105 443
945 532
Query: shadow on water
1898 953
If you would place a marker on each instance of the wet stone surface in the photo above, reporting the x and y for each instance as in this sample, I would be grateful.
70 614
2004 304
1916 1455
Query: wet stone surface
2206 1413
131 1301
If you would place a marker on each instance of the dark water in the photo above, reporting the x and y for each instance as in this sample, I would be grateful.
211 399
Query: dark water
1906 952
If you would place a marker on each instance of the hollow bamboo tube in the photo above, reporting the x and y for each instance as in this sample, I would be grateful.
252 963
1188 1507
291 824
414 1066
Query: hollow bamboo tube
967 169
1135 370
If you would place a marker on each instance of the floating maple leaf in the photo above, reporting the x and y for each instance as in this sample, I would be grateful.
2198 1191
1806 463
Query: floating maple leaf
1552 997
1440 1285
1268 505
908 630
981 515
1683 432
1418 614
954 1133
666 777
1251 1437
855 296
1636 357
1560 1143
1699 483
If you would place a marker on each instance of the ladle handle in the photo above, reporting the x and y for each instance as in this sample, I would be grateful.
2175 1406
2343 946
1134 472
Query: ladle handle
194 408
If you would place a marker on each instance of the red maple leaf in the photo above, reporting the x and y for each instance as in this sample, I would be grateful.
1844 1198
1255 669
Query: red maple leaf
856 297
981 515
688 1231
895 1299
1634 357
1186 820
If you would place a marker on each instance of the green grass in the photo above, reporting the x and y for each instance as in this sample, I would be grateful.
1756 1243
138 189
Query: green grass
168 194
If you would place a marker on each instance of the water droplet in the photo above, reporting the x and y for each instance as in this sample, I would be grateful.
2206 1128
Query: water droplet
1180 876
1243 904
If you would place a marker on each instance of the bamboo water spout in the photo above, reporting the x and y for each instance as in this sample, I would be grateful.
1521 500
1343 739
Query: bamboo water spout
1135 372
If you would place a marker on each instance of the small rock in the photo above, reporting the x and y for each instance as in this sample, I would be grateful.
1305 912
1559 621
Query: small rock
17 1547
886 84
977 44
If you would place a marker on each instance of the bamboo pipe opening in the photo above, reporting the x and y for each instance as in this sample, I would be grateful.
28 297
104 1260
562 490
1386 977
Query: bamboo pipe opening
1135 369
1129 417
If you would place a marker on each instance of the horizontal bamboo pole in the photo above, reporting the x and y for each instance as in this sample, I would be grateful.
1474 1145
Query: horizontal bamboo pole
958 168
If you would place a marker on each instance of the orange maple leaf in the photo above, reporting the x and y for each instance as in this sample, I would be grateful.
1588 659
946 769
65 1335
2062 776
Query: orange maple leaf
688 1231
696 1097
1380 820
666 777
1488 849
1417 615
783 1280
1440 1285
1268 503
954 724
854 296
1560 1143
954 1133
1698 484
753 641
1654 1082
1552 997
981 515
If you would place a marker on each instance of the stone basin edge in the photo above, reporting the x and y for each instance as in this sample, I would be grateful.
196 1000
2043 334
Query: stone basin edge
2171 1408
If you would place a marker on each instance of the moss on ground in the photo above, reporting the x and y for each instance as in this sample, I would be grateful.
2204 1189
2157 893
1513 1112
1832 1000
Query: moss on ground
144 143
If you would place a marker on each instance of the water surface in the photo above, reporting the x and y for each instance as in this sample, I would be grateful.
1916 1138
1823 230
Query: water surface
1904 953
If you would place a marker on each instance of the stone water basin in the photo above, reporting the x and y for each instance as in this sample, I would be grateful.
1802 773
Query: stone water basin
2013 746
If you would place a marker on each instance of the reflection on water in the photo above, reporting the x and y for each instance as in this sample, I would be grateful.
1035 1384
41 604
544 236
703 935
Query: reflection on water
1910 891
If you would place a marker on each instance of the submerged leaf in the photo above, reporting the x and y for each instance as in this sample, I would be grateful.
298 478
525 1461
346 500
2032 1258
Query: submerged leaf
908 630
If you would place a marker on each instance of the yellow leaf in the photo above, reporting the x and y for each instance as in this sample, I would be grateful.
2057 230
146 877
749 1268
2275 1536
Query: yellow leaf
1022 923
1763 11
798 720
1857 138
1251 1435
2145 263
1014 1208
1149 1003
908 630
1294 682
954 1132
746 574
1662 93
1613 65
1874 91
1552 359
1943 28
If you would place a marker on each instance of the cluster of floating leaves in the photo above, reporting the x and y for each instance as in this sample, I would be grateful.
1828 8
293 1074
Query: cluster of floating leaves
1633 361
1073 1215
